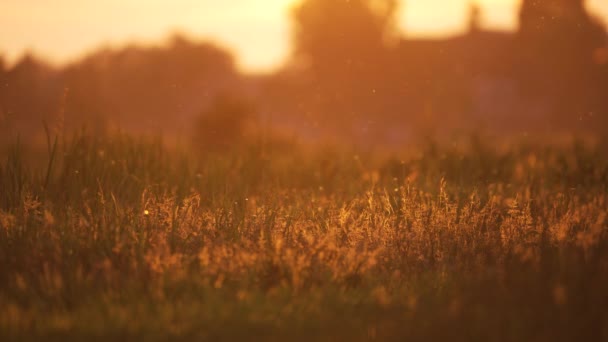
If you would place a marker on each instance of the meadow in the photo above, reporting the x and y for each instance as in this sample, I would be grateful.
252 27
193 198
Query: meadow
123 238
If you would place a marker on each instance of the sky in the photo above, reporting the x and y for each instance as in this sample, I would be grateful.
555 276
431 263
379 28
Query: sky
256 31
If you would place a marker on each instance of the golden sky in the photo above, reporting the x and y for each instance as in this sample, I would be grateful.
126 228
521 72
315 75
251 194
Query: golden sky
257 31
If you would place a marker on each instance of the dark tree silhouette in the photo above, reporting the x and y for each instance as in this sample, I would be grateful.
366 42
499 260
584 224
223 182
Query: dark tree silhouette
3 115
331 34
225 123
29 92
342 47
148 88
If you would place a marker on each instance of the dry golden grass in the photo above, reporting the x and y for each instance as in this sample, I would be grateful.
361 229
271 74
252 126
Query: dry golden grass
121 238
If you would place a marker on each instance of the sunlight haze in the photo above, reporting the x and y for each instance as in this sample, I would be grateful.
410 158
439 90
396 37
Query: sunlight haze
257 32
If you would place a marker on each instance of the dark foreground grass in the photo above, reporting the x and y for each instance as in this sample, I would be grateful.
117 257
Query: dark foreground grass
122 239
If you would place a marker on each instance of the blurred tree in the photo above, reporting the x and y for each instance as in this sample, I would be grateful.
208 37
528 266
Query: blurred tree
144 89
3 116
343 47
331 34
29 94
226 122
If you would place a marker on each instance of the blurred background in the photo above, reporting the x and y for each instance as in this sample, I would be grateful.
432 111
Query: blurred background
369 72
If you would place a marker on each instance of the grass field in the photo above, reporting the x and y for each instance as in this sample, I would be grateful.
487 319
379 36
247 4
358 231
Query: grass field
122 238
